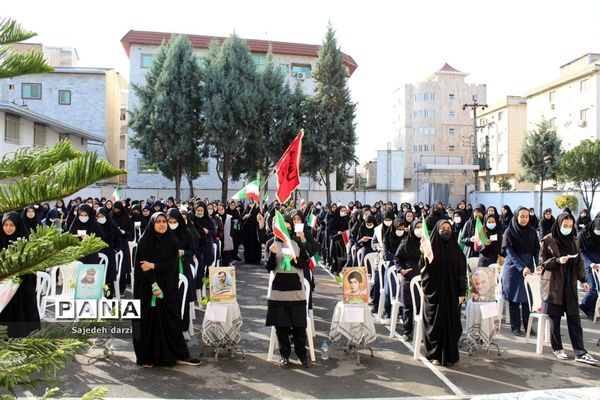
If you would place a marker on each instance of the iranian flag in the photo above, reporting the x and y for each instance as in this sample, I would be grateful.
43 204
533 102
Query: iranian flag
314 260
250 191
280 231
426 244
116 196
346 236
480 236
312 221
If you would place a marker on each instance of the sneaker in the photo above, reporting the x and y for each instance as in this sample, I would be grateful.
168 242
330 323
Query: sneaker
305 363
189 361
284 362
586 358
560 354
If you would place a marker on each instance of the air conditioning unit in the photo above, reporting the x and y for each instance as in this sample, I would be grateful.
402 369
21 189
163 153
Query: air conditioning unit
582 123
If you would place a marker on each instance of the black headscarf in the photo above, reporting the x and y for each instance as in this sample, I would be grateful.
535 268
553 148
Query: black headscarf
409 248
523 239
546 224
566 244
588 240
506 218
181 233
152 238
52 214
20 232
110 232
583 220
30 223
91 226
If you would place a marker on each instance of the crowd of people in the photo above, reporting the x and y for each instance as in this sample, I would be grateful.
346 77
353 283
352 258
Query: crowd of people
172 237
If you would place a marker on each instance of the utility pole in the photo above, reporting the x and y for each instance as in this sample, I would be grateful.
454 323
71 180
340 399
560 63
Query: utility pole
474 106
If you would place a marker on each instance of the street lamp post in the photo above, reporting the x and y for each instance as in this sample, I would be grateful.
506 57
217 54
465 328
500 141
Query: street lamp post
474 106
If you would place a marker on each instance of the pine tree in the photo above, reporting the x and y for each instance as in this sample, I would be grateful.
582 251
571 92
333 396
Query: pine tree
168 122
17 63
581 168
541 155
231 110
331 116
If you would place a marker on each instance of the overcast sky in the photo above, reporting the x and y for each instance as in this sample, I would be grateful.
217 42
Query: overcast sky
511 46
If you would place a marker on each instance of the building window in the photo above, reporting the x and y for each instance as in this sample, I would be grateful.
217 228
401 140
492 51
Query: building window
301 71
64 97
39 135
259 61
552 96
122 142
451 147
63 136
123 114
452 114
83 141
31 91
450 96
11 129
500 115
584 85
146 60
122 177
475 98
583 117
284 69
451 131
552 123
146 168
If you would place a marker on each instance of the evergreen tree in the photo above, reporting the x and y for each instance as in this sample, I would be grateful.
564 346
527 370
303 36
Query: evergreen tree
17 63
231 110
168 122
540 156
331 116
581 167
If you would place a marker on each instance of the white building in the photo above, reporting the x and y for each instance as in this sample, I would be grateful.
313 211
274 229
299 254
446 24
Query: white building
570 102
295 60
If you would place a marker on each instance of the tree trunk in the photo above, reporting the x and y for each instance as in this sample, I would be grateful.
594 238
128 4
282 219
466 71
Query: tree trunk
328 186
225 180
540 211
178 181
191 183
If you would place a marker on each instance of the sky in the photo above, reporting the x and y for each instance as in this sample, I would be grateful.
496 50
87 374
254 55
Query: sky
511 46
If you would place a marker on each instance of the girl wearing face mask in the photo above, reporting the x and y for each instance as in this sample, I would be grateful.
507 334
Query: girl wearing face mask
459 220
387 231
390 246
337 247
444 286
589 248
364 237
490 253
86 221
562 267
226 238
110 235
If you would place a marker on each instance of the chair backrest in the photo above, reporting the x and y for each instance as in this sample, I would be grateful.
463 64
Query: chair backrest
69 274
596 275
360 258
381 272
42 290
119 261
534 294
370 260
214 264
394 276
103 259
183 281
498 275
306 294
271 277
415 284
472 263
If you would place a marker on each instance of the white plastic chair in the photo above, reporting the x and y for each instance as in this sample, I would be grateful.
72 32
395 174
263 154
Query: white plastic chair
42 291
132 253
360 258
370 260
183 281
502 303
472 263
596 274
381 305
68 273
534 298
415 284
394 276
309 327
119 262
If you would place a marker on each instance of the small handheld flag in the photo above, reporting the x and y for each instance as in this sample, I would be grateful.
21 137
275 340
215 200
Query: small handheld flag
426 244
250 191
116 196
280 231
480 236
314 260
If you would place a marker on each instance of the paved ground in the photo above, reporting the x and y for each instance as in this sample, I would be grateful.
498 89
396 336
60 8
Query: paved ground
392 373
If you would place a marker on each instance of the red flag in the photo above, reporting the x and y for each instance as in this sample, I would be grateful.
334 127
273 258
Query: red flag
346 236
288 169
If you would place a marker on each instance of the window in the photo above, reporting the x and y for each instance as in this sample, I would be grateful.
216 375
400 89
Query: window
451 147
584 85
31 91
552 96
259 61
39 135
553 123
64 97
284 69
122 142
301 71
451 131
11 129
146 60
146 168
123 114
500 115
122 177
452 114
83 141
583 117
450 96
475 98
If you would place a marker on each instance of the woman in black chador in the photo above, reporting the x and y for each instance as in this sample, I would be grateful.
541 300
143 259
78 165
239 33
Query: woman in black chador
444 287
252 246
157 335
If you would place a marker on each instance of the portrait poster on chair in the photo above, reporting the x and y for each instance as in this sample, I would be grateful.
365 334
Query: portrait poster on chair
355 285
483 283
222 284
89 281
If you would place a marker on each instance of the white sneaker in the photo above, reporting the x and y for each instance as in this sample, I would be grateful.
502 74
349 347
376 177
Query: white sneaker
586 358
186 336
561 354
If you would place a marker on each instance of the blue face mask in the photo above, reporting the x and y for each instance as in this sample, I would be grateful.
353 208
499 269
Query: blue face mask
491 225
565 231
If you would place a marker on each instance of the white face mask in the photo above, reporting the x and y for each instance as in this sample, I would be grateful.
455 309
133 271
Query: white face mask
210 212
387 222
84 219
419 232
399 233
342 214
490 225
102 221
457 220
369 226
597 232
173 226
565 231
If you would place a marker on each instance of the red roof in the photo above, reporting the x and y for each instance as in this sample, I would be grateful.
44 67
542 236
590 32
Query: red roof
255 46
448 68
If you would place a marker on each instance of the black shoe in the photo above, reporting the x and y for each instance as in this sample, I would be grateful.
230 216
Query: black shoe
189 361
374 310
407 338
518 332
305 363
284 362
